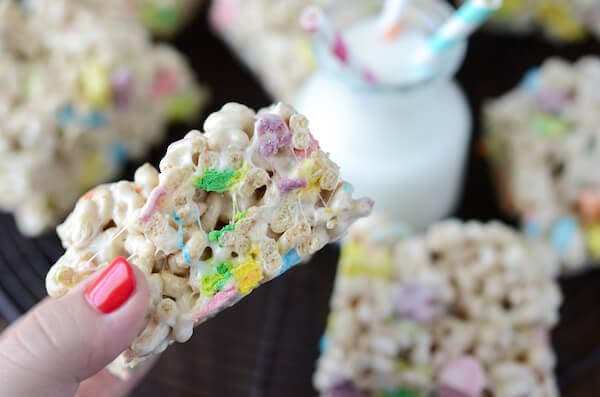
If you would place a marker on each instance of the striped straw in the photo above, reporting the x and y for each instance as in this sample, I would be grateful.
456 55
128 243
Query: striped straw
314 21
390 19
461 25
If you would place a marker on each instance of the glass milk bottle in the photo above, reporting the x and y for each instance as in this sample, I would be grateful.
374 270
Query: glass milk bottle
402 140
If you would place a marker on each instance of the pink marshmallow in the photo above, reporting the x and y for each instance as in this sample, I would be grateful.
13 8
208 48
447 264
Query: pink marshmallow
224 13
314 145
150 207
166 83
219 300
462 377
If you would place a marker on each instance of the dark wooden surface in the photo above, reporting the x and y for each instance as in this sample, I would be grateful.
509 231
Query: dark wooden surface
267 344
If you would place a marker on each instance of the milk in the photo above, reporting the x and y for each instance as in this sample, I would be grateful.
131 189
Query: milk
403 142
390 60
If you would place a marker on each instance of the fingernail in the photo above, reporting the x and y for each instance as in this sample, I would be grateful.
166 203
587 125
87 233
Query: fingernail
113 287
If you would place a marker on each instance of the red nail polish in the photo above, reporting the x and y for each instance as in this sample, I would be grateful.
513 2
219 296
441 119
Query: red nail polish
113 287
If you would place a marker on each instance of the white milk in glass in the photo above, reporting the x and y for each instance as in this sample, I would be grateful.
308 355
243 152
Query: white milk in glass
403 141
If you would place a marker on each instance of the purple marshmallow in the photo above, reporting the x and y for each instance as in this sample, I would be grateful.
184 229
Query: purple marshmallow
122 85
268 145
552 100
273 134
287 185
345 390
414 301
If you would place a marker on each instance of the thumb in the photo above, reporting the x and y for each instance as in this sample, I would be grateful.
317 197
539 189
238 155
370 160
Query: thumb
63 341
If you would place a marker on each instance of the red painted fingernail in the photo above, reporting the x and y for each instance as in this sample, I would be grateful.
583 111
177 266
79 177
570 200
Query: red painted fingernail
113 287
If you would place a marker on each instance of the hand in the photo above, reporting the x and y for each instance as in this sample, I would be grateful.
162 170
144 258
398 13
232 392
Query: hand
60 348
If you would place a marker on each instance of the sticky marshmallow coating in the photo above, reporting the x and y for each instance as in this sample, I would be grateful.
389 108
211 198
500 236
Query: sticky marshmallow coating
160 17
229 210
541 141
267 36
81 93
463 310
562 21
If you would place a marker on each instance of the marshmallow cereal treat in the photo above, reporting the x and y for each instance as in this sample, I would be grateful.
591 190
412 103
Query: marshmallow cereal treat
161 17
229 210
267 36
543 141
560 20
464 310
80 94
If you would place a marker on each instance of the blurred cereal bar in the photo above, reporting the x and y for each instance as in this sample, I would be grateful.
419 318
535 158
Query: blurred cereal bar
542 141
80 94
559 20
161 17
463 310
266 35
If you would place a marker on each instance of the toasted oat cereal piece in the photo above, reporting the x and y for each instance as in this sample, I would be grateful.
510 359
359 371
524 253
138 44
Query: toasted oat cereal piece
463 310
202 233
267 36
542 143
81 92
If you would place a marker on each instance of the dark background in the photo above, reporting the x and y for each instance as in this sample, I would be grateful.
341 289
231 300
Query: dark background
267 344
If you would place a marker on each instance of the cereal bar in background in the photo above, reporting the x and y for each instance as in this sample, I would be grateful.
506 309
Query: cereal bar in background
559 20
542 139
229 210
464 310
162 18
267 36
80 93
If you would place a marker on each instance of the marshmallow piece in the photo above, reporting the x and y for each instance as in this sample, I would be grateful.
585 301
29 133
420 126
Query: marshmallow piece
462 377
345 390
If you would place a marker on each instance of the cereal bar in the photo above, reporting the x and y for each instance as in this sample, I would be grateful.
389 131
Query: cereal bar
266 34
229 210
461 311
560 20
80 94
542 141
161 17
